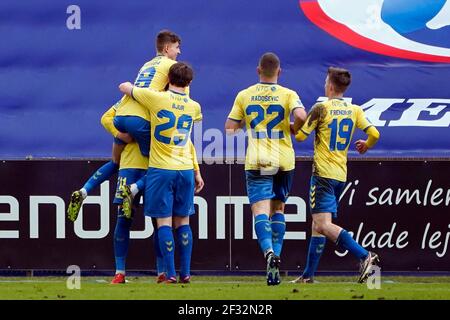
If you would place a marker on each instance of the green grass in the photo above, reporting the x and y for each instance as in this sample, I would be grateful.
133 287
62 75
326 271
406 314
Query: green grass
224 288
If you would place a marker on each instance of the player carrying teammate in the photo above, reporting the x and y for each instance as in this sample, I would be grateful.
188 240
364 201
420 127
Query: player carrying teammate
334 122
173 175
129 116
265 110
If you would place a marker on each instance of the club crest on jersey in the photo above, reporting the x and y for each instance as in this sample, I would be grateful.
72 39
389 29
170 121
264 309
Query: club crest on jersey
409 29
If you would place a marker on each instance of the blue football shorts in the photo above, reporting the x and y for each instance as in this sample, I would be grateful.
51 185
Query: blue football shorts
169 193
263 187
138 128
324 195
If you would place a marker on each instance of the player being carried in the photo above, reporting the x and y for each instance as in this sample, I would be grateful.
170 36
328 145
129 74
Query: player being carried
334 122
173 174
265 109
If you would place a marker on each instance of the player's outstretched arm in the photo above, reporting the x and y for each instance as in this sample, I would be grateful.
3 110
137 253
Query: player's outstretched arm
373 135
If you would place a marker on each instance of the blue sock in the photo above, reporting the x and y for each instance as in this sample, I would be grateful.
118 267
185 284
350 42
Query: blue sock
263 231
184 239
160 267
316 247
346 242
141 183
167 247
101 175
278 230
121 240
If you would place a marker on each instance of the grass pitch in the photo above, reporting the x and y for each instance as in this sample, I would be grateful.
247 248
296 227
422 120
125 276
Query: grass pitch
224 288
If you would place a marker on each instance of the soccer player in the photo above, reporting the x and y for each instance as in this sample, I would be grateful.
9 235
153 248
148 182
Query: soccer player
172 176
265 109
334 122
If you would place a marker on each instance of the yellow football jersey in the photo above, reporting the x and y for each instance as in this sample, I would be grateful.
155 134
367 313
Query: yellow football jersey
334 122
153 75
171 115
266 108
132 158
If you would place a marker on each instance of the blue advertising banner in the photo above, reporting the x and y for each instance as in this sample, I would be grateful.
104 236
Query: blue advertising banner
61 63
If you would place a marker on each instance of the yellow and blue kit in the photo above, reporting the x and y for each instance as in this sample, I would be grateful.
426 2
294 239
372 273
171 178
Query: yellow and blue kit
170 177
334 122
266 110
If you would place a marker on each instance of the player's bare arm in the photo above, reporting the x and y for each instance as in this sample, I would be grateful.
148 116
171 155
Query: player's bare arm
299 119
232 126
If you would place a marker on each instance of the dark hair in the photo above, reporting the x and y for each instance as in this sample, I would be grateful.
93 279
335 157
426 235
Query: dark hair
339 78
165 37
180 74
269 64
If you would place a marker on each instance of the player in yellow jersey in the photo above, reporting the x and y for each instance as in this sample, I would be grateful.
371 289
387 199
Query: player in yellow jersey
334 122
172 178
265 109
128 120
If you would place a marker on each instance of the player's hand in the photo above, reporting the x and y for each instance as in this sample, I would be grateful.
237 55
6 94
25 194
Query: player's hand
125 137
291 128
126 88
199 183
361 146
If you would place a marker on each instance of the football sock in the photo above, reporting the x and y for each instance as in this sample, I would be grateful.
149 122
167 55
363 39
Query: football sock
83 193
101 175
160 267
263 231
316 247
134 189
167 246
184 239
278 230
346 242
139 185
121 241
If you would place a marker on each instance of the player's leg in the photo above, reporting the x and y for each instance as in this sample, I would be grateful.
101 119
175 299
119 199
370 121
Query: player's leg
260 192
323 208
121 243
183 207
160 266
159 204
321 199
123 223
315 250
184 241
278 224
167 247
367 258
138 128
102 174
282 184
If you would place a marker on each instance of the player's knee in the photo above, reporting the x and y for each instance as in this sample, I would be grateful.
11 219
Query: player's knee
321 227
277 206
